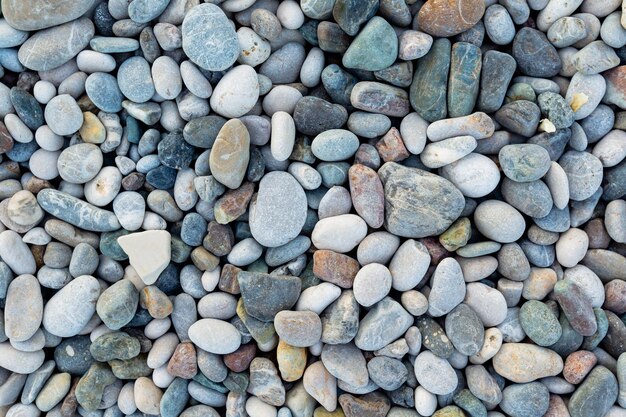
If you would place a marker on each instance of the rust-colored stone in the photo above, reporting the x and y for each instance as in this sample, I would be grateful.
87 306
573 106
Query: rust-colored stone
6 141
368 196
616 86
70 403
449 17
219 239
615 296
233 203
228 279
369 405
578 365
557 407
335 268
391 147
239 360
435 249
183 362
156 302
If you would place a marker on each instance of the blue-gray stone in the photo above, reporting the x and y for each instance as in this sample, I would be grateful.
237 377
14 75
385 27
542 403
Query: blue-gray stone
103 20
161 177
465 70
134 79
27 108
22 152
615 182
209 38
554 107
595 396
465 330
535 55
77 212
113 45
174 398
338 83
109 246
430 82
584 174
265 295
283 66
598 123
521 117
333 173
538 255
50 48
103 91
201 132
532 198
375 47
313 115
143 11
174 151
558 220
497 72
193 229
72 355
117 304
553 142
524 162
288 251
350 14
525 400
539 323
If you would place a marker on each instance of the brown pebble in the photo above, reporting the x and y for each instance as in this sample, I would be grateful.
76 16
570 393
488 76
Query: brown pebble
367 194
335 268
239 360
34 184
233 203
70 403
367 155
391 147
6 141
219 239
556 407
598 236
615 296
183 363
449 17
156 302
204 260
373 404
435 249
578 365
133 181
228 279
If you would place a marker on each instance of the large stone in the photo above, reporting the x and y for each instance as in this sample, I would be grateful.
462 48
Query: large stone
32 15
535 55
383 324
375 48
449 17
55 46
279 211
418 203
430 82
523 362
71 308
76 211
149 253
595 396
465 70
209 38
265 295
230 154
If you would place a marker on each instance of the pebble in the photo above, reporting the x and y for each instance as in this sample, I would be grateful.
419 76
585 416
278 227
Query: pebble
147 264
446 18
236 93
230 154
298 328
435 374
71 308
375 331
376 32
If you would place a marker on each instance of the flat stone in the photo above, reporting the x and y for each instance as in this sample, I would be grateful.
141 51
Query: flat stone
71 308
499 221
430 82
380 98
584 173
230 154
447 288
149 253
209 39
103 91
346 362
525 399
38 14
340 320
321 385
49 48
475 175
116 345
435 374
522 362
20 362
375 331
279 211
339 233
419 191
350 15
376 35
463 85
215 336
23 309
539 323
448 18
595 396
368 405
535 55
236 93
265 295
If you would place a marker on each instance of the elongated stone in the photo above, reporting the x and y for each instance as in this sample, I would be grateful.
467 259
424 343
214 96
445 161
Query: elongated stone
523 362
430 82
380 98
53 47
77 212
465 70
576 306
498 70
24 308
595 396
41 14
366 190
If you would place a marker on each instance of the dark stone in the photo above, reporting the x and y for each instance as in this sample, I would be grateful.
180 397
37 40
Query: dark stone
265 295
73 356
338 83
193 229
161 177
521 117
175 152
576 306
553 142
434 338
535 55
525 400
465 329
202 131
465 70
27 108
498 69
103 21
351 14
531 198
313 115
430 82
554 107
595 396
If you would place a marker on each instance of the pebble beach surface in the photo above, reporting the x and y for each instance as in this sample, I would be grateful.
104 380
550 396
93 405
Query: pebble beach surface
313 208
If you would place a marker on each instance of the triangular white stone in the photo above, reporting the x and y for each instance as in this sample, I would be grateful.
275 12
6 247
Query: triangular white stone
149 252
